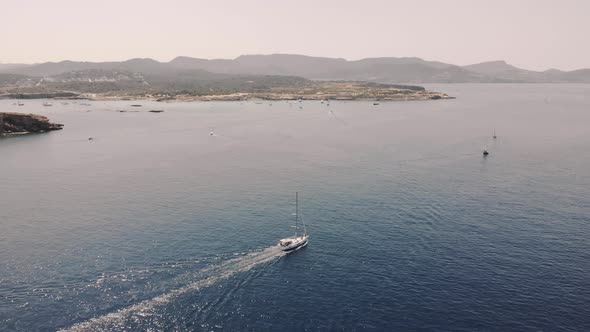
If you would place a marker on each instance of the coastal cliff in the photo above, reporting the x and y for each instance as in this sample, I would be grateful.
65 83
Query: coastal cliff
19 123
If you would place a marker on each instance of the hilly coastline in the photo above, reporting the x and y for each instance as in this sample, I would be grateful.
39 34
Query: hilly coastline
276 76
181 79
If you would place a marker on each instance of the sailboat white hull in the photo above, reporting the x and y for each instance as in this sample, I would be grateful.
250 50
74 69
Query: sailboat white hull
293 243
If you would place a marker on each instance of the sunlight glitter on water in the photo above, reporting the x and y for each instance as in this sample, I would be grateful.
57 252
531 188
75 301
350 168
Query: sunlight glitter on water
115 321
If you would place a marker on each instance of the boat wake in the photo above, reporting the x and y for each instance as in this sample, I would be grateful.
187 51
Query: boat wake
117 320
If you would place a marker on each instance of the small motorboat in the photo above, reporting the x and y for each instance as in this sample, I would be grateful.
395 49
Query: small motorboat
47 104
485 153
296 241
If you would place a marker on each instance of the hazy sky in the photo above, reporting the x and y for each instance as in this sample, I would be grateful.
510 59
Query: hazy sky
534 34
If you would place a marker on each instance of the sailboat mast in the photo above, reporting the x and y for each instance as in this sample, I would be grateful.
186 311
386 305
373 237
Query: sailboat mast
296 213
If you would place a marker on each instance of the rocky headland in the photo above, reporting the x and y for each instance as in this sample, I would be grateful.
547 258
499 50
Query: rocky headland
19 123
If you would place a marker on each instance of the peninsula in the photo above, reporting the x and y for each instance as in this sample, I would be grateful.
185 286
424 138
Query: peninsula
19 123
323 91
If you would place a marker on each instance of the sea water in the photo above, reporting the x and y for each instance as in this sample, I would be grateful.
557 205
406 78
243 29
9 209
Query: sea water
169 221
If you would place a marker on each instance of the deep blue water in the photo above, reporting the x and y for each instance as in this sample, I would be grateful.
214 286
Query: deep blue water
157 225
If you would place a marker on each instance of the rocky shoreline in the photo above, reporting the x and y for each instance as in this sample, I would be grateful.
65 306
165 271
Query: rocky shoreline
19 123
342 96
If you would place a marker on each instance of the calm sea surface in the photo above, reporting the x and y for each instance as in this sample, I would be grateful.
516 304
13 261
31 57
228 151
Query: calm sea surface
158 225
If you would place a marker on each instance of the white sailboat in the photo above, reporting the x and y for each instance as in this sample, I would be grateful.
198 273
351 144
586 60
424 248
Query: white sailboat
297 241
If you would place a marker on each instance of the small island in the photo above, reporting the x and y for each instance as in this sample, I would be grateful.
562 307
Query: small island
19 123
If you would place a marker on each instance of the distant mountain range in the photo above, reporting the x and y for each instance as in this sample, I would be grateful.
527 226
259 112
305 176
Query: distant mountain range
500 70
384 70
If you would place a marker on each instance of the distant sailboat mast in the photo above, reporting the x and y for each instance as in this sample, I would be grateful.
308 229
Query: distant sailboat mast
296 213
297 217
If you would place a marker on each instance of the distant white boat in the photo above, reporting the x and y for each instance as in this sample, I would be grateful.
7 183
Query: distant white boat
296 241
47 103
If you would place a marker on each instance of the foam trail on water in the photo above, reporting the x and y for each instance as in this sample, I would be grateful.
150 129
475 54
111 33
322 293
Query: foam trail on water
116 320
